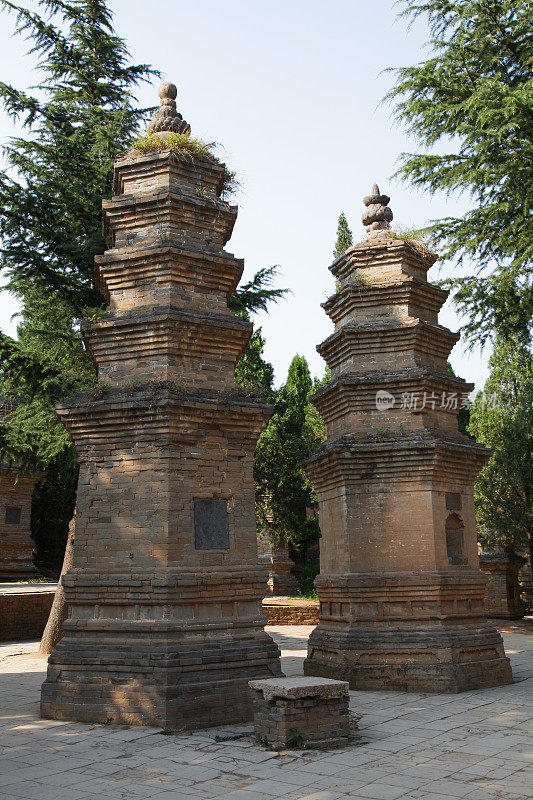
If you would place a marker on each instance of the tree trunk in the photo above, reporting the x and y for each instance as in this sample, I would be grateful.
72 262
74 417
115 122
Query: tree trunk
53 631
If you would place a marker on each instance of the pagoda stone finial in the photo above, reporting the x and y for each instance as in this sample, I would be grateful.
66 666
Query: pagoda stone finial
377 216
166 119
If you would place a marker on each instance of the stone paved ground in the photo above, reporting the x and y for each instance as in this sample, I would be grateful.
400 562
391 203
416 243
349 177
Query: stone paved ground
409 747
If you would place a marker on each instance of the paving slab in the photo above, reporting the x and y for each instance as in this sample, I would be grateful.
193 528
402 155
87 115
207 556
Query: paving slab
474 746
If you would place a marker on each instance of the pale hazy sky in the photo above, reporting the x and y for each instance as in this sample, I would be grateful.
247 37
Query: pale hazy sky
293 91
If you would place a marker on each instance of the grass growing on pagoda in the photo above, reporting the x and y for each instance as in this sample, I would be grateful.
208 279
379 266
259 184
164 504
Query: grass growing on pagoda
181 143
185 145
421 239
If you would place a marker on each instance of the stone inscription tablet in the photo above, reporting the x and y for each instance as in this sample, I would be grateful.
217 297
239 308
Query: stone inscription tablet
211 525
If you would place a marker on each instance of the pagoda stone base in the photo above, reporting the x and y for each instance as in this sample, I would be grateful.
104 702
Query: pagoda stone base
159 677
281 581
502 595
422 632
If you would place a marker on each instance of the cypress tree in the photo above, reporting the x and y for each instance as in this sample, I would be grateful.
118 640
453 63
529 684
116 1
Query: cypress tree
283 491
502 419
344 236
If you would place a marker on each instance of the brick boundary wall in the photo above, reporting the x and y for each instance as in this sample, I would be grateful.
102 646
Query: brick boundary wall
24 615
287 611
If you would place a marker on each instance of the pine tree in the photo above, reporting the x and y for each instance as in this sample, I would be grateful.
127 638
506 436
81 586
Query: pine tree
473 99
344 236
58 172
502 419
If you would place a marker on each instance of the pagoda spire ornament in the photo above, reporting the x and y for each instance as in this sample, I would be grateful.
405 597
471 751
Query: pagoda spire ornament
377 216
166 118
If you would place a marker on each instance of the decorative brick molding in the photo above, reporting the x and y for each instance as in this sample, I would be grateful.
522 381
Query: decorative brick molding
301 712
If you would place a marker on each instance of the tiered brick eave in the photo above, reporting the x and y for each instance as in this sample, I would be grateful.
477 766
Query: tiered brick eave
167 216
393 342
351 396
160 409
195 349
405 298
149 270
385 253
136 172
425 457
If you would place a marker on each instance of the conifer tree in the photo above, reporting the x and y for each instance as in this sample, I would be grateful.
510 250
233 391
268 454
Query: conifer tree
82 117
344 236
57 172
502 419
253 373
473 99
51 192
283 491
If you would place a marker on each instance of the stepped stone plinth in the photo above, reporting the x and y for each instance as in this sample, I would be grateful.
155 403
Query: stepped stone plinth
400 589
165 624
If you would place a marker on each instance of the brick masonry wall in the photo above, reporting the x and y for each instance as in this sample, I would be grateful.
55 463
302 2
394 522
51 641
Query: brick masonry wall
23 616
290 612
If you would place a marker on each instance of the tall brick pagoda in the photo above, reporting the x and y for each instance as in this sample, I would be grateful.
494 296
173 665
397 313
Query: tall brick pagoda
401 593
165 624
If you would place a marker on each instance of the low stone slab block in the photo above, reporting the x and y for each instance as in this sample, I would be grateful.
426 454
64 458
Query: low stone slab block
301 712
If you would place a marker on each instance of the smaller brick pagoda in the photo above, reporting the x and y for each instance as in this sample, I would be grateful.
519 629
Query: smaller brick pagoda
16 544
503 590
401 593
279 566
